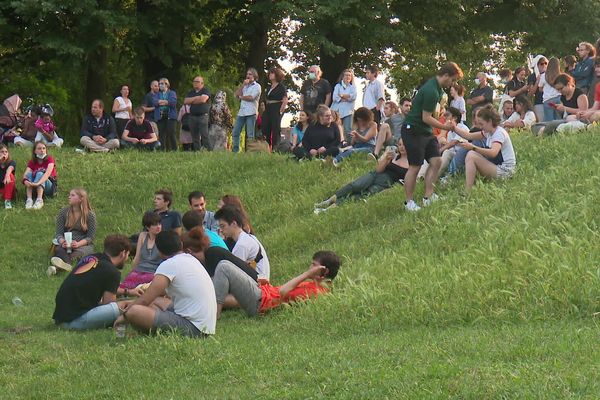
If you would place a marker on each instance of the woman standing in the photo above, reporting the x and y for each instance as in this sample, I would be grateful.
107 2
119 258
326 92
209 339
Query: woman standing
584 70
75 231
276 101
344 97
165 114
123 110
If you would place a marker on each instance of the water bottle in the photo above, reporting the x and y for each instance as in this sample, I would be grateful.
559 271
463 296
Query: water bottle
18 302
120 331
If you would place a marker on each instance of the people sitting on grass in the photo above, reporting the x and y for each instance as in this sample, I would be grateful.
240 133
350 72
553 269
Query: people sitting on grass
389 130
234 287
495 160
193 219
98 130
28 132
75 231
391 168
233 200
593 114
86 298
321 139
138 133
197 202
195 243
523 116
146 258
180 298
39 177
299 129
363 136
8 187
247 247
507 110
46 129
169 219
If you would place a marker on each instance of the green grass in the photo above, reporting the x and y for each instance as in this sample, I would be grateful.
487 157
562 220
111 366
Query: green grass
494 295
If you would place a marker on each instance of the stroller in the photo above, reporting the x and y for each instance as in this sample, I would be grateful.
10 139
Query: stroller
9 114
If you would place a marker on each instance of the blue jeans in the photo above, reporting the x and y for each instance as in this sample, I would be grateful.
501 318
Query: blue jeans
240 121
347 122
38 175
357 148
98 317
550 114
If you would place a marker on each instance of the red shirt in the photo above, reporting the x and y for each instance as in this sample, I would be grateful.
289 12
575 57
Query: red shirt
271 298
35 166
597 93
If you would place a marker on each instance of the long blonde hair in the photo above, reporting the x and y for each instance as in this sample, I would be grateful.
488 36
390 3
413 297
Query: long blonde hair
84 207
553 70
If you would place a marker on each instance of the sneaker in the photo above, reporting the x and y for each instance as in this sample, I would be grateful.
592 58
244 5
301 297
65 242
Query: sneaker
327 202
335 162
7 204
39 203
319 210
372 156
411 206
28 204
51 271
79 150
429 201
60 264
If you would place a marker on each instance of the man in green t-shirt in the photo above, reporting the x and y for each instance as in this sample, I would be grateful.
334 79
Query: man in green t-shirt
417 133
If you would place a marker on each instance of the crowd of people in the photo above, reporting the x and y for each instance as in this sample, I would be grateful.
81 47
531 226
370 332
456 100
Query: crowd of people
187 269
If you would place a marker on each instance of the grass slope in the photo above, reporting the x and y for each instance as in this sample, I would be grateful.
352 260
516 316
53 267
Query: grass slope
490 296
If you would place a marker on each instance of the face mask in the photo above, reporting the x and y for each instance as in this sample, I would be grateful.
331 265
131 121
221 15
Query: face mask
312 76
477 81
40 156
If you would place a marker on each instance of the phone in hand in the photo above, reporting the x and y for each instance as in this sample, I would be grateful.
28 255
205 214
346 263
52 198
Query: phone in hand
391 149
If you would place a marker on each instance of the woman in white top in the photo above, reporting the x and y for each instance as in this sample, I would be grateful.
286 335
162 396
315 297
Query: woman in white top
122 109
497 159
523 117
549 93
457 92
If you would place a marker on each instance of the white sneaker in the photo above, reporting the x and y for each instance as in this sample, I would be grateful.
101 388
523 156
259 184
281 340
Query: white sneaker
335 162
7 204
28 204
60 264
372 156
411 206
39 203
51 271
429 201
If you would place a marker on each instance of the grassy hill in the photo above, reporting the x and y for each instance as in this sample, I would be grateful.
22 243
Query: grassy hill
494 295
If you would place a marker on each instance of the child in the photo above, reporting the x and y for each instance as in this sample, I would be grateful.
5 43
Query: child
7 177
46 130
234 287
40 176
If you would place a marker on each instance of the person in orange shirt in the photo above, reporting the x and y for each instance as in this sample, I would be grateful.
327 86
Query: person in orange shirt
233 286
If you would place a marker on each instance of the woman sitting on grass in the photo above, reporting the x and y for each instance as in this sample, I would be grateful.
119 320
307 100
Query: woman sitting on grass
363 137
322 138
78 221
40 176
7 177
523 117
299 129
495 160
146 258
391 168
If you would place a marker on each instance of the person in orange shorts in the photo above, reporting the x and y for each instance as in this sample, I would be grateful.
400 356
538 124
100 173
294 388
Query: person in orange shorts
234 287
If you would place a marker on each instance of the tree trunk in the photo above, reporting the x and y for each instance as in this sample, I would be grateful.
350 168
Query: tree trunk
332 65
257 49
96 79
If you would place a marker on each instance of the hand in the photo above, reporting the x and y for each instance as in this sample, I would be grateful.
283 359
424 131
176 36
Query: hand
134 140
142 141
163 102
560 108
316 272
313 152
27 184
75 244
137 291
63 243
389 155
322 150
467 146
120 321
99 139
450 126
6 179
246 82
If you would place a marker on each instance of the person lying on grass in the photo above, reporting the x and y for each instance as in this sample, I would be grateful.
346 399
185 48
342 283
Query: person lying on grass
495 160
190 308
391 168
235 288
86 298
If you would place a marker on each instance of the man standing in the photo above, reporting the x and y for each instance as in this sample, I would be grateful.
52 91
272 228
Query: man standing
197 202
249 93
482 94
374 97
417 133
86 298
199 101
98 130
315 91
149 102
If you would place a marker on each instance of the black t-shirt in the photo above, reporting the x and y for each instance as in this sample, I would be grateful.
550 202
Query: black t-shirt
538 98
318 135
199 109
142 131
394 171
84 287
314 93
169 220
215 254
3 169
277 94
149 102
513 85
573 102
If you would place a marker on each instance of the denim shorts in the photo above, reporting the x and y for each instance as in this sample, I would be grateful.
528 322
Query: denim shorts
168 320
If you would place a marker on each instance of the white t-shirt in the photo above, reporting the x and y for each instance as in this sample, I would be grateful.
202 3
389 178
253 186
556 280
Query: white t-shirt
122 104
548 90
528 120
191 290
508 153
460 105
455 136
373 92
246 248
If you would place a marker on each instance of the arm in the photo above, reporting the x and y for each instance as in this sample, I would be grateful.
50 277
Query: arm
314 272
196 99
91 231
369 135
156 289
488 153
301 102
384 161
336 93
46 174
468 135
108 297
427 118
328 99
380 95
294 139
284 103
475 100
533 88
9 171
85 128
255 94
515 93
126 137
138 247
61 221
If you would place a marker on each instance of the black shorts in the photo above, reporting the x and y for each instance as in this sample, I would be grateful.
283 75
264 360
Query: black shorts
419 145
